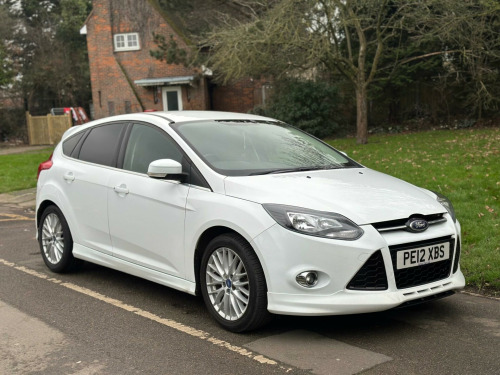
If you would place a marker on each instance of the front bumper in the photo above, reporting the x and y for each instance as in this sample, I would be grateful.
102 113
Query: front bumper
285 254
355 302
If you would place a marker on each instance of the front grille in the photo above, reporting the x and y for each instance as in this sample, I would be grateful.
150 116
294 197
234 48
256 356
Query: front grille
457 257
424 274
371 276
400 224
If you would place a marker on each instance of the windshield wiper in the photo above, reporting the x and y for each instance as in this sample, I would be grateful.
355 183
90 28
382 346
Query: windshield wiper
297 169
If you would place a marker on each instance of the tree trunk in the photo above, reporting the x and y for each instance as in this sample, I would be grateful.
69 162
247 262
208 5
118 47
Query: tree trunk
361 115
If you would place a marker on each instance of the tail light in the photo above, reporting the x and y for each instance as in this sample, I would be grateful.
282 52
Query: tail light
44 166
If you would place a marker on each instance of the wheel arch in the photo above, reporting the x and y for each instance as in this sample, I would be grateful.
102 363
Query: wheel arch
41 208
208 235
51 194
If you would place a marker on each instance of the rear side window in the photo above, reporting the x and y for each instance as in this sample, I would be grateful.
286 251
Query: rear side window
147 144
70 143
101 144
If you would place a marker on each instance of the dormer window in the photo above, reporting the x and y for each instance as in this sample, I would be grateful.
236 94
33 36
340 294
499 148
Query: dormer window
127 42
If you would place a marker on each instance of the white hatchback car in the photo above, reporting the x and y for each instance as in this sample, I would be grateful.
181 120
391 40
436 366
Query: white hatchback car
255 215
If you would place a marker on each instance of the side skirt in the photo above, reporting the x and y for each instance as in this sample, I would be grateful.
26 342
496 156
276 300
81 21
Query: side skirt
93 256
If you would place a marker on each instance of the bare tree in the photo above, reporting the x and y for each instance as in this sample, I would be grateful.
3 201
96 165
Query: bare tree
348 37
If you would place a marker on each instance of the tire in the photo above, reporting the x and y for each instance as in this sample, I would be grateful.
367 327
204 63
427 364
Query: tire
233 284
56 243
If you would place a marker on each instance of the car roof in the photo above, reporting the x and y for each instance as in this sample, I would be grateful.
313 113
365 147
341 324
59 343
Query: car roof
181 116
172 117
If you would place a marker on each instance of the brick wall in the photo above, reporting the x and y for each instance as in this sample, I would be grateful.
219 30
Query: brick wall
241 96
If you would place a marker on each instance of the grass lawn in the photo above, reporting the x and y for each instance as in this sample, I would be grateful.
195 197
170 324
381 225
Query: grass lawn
464 165
18 171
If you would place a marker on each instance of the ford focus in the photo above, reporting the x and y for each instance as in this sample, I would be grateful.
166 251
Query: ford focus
254 215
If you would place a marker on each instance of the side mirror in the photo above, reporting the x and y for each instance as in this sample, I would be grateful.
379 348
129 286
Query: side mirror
166 168
344 153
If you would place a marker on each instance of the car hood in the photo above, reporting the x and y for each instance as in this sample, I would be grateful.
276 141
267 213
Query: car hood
361 194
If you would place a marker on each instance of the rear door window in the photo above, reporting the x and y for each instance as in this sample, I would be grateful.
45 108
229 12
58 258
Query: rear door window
101 144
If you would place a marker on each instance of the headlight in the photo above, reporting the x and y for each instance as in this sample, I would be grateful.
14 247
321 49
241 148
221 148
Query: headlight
445 202
314 223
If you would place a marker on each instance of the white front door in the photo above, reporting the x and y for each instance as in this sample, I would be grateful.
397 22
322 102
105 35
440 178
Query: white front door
172 98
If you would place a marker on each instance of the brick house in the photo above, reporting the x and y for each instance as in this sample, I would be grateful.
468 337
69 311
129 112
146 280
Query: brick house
126 78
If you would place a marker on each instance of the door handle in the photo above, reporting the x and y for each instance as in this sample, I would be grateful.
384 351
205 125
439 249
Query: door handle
121 189
69 177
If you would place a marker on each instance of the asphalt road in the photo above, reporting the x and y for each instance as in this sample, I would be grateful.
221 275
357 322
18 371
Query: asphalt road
99 321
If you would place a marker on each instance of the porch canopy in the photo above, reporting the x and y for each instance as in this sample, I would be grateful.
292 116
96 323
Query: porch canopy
165 81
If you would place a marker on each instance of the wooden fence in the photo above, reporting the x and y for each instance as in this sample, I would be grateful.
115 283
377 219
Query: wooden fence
47 130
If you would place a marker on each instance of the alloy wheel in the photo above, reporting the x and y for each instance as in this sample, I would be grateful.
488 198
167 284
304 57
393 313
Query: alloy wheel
52 238
227 284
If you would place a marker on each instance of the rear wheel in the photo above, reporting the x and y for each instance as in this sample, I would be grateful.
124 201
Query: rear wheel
56 243
233 284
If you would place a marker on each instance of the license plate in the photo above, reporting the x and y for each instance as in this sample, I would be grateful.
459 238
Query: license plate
423 255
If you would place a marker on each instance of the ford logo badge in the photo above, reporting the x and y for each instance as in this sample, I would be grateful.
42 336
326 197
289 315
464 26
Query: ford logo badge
417 225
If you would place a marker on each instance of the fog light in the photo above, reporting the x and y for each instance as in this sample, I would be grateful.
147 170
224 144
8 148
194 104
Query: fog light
307 279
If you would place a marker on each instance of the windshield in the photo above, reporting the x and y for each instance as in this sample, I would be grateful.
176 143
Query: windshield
244 148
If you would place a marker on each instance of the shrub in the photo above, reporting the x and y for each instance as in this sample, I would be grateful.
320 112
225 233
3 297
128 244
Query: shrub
12 124
308 105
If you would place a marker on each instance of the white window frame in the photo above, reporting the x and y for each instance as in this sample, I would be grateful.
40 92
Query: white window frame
179 96
126 46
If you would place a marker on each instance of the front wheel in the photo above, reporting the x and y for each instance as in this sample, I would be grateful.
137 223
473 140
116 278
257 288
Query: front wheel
56 243
233 284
